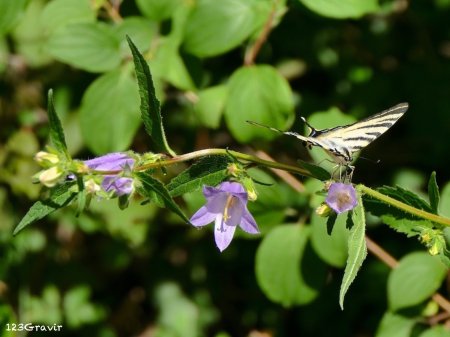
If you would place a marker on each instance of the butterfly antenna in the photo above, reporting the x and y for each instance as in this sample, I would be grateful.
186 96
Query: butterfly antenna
373 161
313 130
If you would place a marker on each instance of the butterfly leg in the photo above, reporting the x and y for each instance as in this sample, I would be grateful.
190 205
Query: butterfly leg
349 169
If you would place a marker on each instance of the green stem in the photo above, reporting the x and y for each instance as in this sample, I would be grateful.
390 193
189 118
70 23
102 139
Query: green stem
238 155
404 207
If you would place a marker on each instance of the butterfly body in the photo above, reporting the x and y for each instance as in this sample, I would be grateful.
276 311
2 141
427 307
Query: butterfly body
342 142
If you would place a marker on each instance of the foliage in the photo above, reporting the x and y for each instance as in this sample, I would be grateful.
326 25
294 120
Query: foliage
188 75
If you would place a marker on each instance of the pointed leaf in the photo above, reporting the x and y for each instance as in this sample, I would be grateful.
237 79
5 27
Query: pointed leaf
287 270
151 185
207 171
433 193
56 131
399 220
415 279
61 196
357 250
150 106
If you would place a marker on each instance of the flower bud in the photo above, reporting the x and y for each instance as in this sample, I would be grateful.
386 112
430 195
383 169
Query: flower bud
92 187
233 170
46 159
250 188
50 177
323 210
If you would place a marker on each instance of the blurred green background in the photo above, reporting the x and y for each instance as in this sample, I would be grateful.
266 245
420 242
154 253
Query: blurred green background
141 272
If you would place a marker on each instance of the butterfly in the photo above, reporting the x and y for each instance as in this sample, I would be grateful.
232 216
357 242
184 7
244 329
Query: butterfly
342 142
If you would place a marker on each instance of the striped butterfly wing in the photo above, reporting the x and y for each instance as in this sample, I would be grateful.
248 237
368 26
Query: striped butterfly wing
342 142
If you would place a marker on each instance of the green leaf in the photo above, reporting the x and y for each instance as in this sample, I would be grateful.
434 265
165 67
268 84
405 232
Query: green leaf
210 105
60 13
399 220
209 170
150 107
10 12
436 331
56 131
317 172
169 64
286 269
357 250
89 46
405 196
416 278
342 9
143 31
150 184
60 197
433 193
110 107
156 9
29 35
215 27
331 248
79 309
445 201
395 325
260 94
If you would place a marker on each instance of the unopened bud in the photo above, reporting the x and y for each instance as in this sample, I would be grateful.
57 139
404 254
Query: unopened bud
233 170
250 188
46 159
50 177
323 210
92 187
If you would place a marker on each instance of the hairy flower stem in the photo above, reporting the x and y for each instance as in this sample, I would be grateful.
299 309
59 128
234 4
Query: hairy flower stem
404 207
238 155
285 167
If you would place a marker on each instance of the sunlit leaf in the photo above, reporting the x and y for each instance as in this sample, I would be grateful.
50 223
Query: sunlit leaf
110 107
342 9
414 280
61 196
259 94
357 249
282 270
209 171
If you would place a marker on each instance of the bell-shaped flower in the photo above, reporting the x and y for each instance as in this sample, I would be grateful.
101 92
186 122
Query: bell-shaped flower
226 206
341 197
117 161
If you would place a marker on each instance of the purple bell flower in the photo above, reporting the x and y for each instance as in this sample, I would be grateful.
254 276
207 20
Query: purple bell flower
341 197
112 162
226 205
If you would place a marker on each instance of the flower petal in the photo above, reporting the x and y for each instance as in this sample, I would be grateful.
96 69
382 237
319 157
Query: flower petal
210 191
216 204
248 223
341 197
232 187
223 234
119 186
235 211
202 217
110 161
